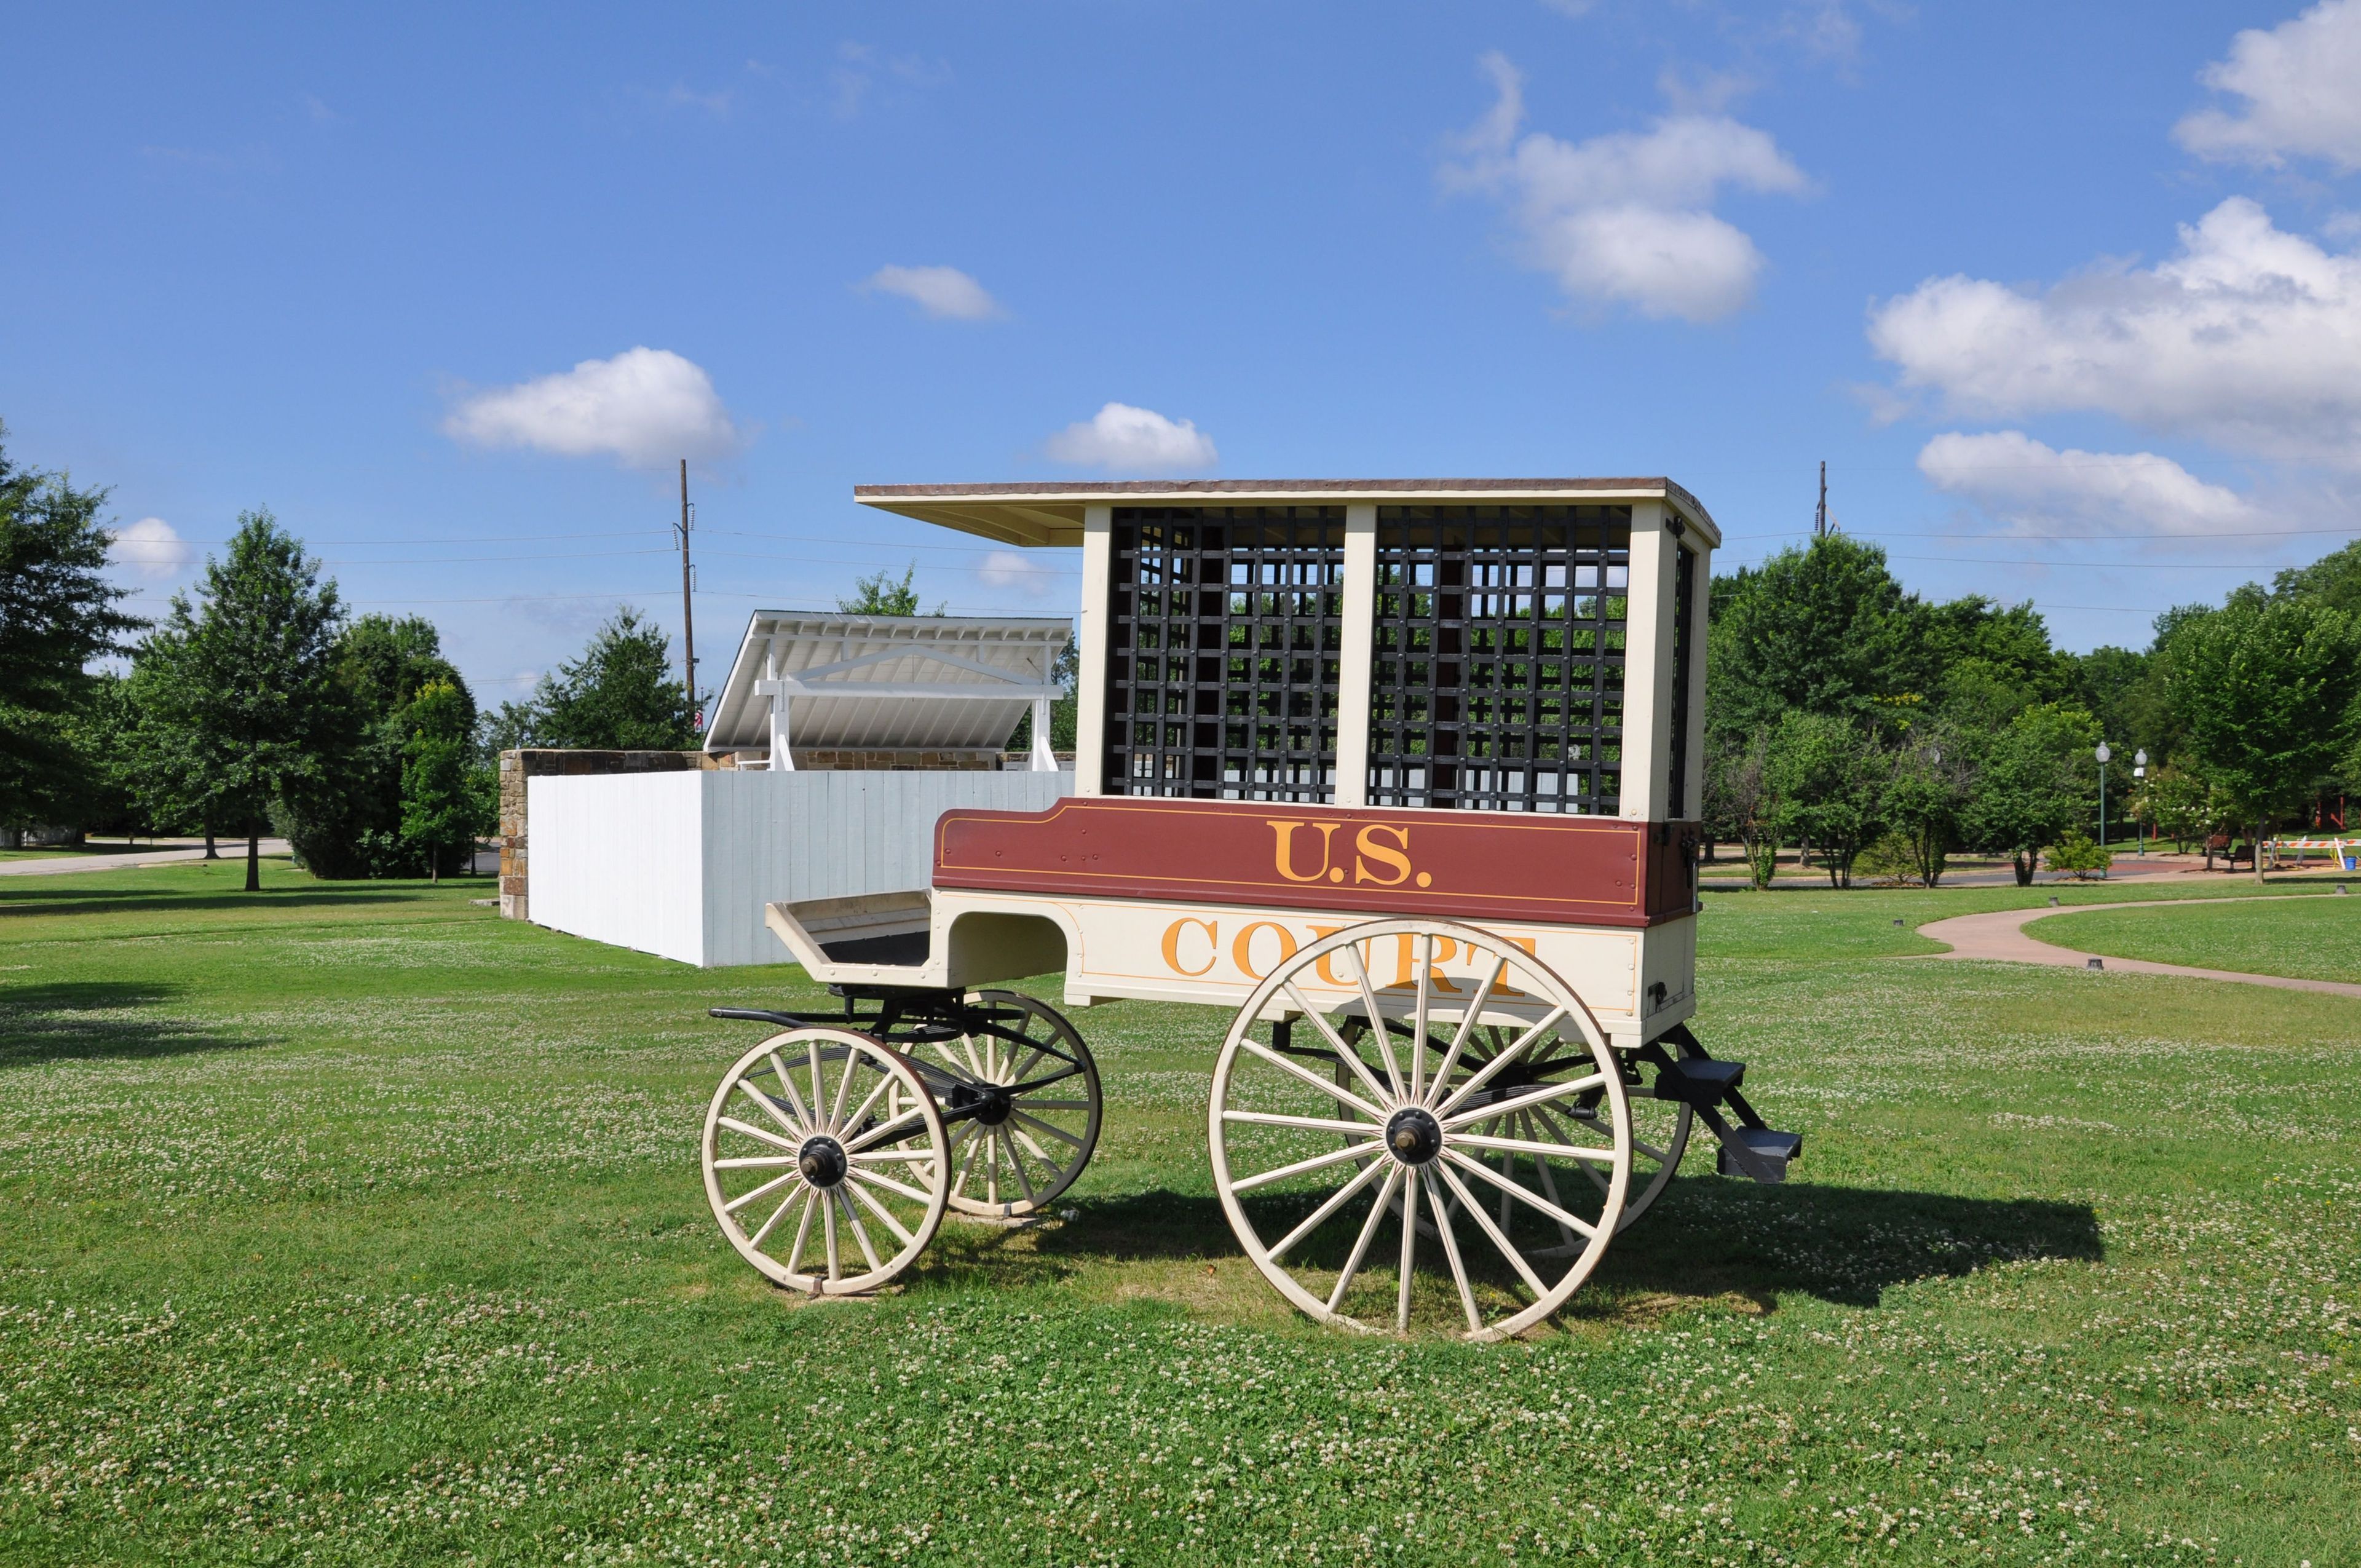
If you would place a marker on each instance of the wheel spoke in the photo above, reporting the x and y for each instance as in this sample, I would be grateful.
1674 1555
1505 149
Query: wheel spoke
751 1131
1580 1226
784 1203
885 1083
770 1107
873 1178
1527 1145
1496 1234
803 1230
1017 1164
1539 1124
860 1230
787 1082
1377 1020
1368 1234
1314 1123
884 1215
1406 1271
967 1161
905 1157
1418 1017
1305 1166
1319 1216
1501 1058
755 1193
754 1161
1038 1125
877 1134
1327 1086
1035 1150
1348 1053
1466 1028
846 1071
827 1223
1546 1093
1451 1251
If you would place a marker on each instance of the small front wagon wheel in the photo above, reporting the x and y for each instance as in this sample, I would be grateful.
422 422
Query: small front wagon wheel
824 1161
1478 1101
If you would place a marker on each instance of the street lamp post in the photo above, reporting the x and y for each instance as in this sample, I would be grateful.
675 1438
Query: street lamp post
2139 771
2102 754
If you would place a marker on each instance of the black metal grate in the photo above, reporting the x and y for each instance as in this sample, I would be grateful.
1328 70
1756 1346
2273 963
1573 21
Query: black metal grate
1499 659
1684 638
1224 630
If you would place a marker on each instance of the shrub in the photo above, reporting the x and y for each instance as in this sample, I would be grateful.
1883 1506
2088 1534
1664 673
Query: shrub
2077 856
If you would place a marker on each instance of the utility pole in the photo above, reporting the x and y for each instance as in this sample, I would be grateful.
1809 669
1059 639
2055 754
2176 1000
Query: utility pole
1819 517
687 623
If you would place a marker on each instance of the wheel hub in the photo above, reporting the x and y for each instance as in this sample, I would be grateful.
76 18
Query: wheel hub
1414 1136
991 1104
822 1161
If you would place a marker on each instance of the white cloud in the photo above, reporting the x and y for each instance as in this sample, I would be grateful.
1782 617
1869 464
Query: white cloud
1123 439
944 293
2301 81
1009 569
2028 485
2248 339
151 547
645 406
1625 216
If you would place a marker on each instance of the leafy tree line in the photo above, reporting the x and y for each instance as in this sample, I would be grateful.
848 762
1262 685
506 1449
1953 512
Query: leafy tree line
1873 728
258 704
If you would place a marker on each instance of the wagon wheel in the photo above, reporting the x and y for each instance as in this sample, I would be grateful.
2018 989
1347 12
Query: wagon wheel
1659 1133
1020 1151
1313 1171
824 1161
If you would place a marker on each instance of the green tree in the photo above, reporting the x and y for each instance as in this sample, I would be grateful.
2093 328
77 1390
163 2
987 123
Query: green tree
1066 671
2175 805
58 612
239 690
2034 783
444 798
620 694
2334 580
1830 775
349 824
2264 690
1823 630
881 594
1928 788
1741 802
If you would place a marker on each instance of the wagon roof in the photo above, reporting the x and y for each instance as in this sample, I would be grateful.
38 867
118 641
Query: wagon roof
886 682
1045 513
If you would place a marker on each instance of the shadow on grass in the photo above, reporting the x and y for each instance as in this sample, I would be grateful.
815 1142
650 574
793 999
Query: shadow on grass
1705 1238
60 902
99 1020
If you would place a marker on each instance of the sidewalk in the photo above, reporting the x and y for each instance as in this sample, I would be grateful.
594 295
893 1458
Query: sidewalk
1999 935
64 865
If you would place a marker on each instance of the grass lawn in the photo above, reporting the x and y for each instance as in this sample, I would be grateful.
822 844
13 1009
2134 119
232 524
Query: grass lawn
350 1223
2310 939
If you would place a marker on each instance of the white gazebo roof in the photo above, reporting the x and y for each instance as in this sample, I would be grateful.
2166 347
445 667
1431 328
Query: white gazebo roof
885 682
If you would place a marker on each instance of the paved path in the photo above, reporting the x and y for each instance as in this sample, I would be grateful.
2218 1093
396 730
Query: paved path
61 864
1999 935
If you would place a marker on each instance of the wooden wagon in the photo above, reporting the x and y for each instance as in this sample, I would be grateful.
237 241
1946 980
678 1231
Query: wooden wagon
1403 773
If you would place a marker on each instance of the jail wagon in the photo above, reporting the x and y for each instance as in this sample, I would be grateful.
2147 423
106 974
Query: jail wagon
1401 774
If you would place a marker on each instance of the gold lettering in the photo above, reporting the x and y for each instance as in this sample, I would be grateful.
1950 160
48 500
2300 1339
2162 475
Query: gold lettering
1283 852
1397 858
1406 962
1502 988
1172 945
1241 951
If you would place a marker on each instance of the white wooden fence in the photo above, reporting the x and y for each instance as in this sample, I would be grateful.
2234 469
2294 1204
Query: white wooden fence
681 864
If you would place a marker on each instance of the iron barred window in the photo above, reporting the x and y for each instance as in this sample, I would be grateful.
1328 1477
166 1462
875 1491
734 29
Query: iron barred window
1224 630
1684 639
1499 659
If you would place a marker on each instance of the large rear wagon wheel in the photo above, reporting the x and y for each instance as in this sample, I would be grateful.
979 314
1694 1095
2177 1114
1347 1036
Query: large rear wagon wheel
1444 1106
824 1161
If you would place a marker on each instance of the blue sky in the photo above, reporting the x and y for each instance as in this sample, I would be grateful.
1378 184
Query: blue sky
450 291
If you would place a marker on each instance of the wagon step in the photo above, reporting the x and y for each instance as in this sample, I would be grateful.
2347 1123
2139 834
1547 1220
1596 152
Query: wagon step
1699 1081
1758 1152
